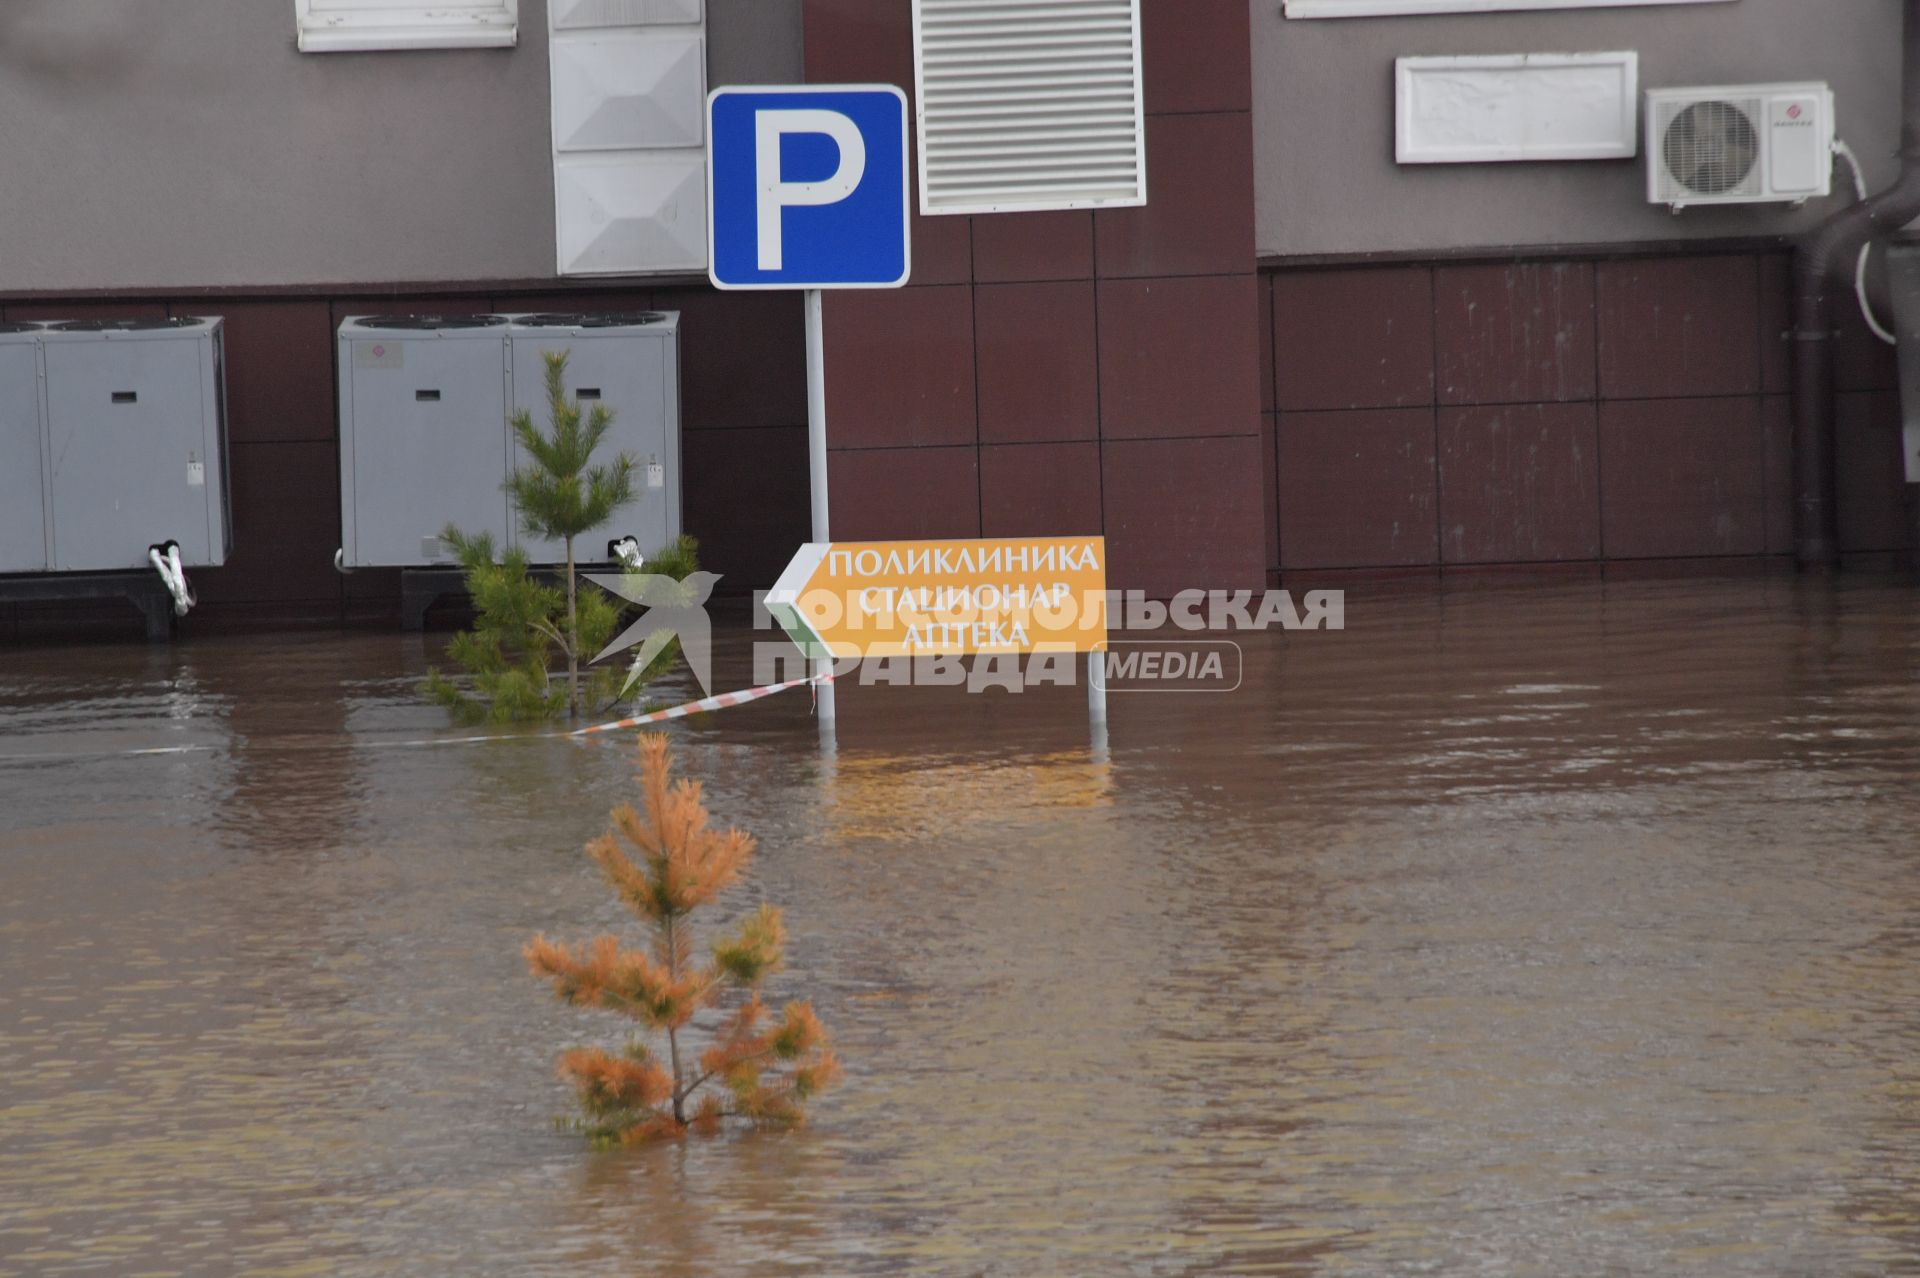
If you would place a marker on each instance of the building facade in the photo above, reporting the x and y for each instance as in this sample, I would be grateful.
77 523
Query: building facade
1298 357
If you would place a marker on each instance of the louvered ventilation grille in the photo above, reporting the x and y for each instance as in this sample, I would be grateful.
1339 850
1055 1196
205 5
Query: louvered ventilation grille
1028 104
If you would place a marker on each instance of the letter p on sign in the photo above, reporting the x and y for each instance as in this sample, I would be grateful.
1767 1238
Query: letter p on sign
807 187
770 126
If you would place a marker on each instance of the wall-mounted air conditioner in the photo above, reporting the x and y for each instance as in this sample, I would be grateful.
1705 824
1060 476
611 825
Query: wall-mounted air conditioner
1739 144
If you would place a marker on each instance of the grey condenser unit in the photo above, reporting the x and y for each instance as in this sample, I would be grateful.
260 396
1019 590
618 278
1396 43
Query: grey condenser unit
424 439
631 363
132 441
23 498
423 435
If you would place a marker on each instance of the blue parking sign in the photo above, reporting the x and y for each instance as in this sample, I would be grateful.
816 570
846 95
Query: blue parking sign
807 187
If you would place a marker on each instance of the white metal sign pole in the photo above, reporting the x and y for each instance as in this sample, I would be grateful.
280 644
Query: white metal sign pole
817 470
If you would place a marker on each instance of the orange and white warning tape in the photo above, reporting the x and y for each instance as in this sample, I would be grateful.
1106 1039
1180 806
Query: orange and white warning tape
701 706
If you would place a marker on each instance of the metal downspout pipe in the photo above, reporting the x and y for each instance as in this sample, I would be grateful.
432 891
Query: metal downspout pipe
1821 257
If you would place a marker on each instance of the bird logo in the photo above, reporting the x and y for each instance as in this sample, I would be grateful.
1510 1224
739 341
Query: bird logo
675 609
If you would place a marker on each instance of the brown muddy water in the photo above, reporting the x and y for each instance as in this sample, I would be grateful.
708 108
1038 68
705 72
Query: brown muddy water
1563 930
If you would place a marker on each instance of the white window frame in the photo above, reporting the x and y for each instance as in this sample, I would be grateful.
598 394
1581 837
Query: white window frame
1392 8
465 24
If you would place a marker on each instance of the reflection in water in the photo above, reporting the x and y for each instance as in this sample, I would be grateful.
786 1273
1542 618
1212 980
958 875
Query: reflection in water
1555 930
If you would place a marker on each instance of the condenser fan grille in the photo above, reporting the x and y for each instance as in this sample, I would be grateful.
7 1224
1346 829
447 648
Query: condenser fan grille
1712 148
122 325
571 319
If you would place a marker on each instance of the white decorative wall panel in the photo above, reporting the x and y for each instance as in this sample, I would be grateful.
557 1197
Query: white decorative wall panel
1389 8
633 213
571 14
629 135
628 91
1528 106
347 26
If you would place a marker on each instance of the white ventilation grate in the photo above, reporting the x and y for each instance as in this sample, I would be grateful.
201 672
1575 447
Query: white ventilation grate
1028 104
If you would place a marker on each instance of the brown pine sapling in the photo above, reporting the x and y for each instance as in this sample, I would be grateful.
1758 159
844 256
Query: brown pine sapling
767 1067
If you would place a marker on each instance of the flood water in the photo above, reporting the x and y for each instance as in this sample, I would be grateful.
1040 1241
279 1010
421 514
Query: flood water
1561 930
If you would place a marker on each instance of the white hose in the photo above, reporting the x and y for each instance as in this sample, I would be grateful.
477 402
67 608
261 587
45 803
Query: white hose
1845 152
172 575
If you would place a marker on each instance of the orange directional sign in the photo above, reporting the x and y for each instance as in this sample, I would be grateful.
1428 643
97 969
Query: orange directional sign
945 598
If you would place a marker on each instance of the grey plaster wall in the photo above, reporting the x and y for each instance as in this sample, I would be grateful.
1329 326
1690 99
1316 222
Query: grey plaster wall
188 144
1323 96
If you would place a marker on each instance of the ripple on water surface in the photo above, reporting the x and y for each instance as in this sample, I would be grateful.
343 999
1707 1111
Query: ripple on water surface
1511 931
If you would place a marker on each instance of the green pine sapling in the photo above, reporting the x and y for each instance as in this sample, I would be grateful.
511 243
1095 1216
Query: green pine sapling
520 619
560 494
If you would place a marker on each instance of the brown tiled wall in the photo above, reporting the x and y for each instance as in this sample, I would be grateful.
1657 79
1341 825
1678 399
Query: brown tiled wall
1554 411
744 447
1067 372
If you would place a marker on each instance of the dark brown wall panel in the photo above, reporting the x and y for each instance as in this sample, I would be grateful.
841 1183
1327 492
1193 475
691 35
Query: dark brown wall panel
1199 54
1179 357
595 302
1683 478
884 494
280 379
743 358
900 367
1270 485
1038 364
1512 334
942 247
744 495
1861 361
1265 303
1357 489
1054 245
1198 218
91 310
1674 326
859 41
1353 338
404 304
286 522
1870 476
1776 460
1183 514
1519 483
1038 490
1776 323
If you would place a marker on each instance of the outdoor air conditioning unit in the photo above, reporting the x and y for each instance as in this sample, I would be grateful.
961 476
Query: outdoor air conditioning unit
23 499
1739 144
423 435
424 440
133 441
630 363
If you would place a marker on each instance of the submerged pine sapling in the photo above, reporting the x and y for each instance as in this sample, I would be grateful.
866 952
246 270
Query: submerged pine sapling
560 493
768 1066
523 618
